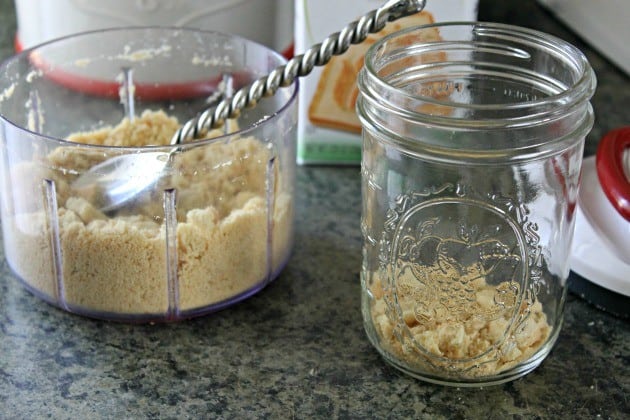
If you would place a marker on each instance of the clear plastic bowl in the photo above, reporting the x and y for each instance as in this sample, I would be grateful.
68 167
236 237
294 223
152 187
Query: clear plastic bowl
214 229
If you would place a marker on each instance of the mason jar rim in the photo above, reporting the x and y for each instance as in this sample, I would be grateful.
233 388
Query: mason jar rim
539 109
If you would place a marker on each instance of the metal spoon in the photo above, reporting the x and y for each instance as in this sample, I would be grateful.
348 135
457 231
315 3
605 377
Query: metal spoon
140 171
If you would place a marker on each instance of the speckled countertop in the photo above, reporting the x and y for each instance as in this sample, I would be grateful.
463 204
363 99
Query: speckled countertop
298 349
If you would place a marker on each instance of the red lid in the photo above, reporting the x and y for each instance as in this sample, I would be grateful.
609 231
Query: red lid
610 169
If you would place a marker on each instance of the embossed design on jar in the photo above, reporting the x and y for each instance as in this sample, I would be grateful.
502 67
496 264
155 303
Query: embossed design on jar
444 268
454 260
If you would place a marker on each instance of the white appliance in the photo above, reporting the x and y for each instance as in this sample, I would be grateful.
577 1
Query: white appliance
605 24
269 22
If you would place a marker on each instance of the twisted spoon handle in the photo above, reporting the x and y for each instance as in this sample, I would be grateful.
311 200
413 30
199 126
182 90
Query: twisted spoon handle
300 65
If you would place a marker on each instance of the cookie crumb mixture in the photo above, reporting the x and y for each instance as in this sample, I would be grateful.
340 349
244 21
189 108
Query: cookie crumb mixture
152 128
117 263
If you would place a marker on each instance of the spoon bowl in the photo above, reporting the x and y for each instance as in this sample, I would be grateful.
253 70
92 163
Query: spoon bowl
110 184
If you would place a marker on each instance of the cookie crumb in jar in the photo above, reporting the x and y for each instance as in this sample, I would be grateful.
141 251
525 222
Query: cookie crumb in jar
484 333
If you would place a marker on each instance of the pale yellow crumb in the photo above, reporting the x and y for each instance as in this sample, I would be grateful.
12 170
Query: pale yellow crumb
117 264
457 341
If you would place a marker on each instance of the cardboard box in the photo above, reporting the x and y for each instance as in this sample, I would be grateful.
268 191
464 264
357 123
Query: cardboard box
328 127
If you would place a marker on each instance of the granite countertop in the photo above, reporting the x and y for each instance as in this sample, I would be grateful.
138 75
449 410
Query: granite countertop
297 349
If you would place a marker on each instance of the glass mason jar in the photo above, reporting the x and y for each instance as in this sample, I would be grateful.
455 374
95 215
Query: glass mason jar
473 136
